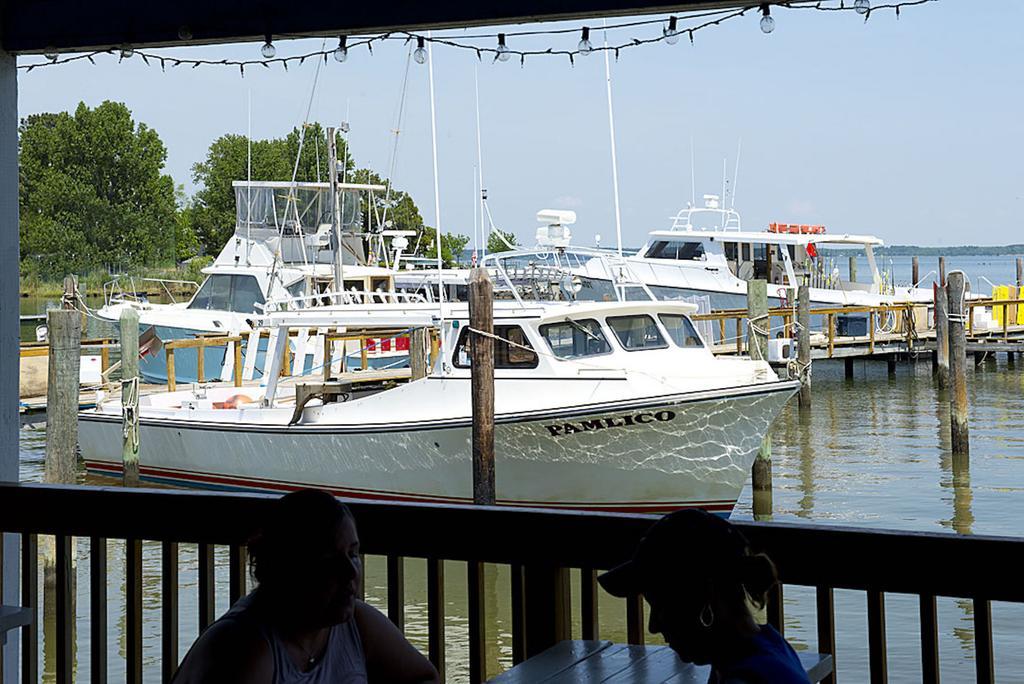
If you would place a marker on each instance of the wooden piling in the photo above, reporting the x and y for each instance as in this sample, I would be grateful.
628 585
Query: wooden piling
915 271
853 269
757 343
960 437
890 364
942 270
419 349
129 333
64 328
481 350
942 335
848 368
1020 272
803 318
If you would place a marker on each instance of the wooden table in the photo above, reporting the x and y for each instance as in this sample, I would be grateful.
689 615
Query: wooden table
572 662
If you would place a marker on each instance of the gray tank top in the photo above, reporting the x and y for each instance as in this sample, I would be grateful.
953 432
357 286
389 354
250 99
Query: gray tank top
343 661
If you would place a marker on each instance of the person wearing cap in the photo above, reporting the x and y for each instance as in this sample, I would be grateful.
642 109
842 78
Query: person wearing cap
705 588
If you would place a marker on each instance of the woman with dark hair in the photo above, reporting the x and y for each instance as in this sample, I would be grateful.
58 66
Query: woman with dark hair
303 622
705 588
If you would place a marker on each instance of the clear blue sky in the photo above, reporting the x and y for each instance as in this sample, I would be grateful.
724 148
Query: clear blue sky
911 129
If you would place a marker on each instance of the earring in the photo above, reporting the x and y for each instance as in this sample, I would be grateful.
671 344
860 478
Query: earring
707 616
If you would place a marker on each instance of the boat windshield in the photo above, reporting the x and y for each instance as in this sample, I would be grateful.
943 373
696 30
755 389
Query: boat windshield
575 338
674 249
680 329
637 332
226 292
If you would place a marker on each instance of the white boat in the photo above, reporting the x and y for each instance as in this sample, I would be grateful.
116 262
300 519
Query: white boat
706 252
284 246
615 406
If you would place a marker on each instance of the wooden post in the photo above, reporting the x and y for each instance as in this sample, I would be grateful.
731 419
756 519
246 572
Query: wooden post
171 381
419 348
942 335
942 270
129 324
915 271
1020 272
853 269
848 368
237 368
803 319
757 342
65 335
481 349
890 364
958 364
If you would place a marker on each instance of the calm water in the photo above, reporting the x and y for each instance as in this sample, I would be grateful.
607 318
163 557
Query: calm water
873 452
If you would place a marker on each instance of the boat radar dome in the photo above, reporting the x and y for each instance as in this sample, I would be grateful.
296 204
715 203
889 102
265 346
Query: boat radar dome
556 232
711 201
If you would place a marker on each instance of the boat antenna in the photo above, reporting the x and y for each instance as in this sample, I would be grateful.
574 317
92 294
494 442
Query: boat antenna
480 165
248 182
693 180
611 133
736 173
725 184
437 196
400 111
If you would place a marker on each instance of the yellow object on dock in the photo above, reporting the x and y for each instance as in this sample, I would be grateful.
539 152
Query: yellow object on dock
999 293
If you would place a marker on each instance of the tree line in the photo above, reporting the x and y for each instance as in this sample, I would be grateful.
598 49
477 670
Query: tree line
93 193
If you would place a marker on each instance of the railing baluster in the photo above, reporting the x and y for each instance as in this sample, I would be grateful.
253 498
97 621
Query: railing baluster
929 639
133 610
588 604
518 581
983 641
65 617
237 572
635 620
396 591
477 621
826 627
207 605
435 614
169 610
774 609
876 637
30 599
98 609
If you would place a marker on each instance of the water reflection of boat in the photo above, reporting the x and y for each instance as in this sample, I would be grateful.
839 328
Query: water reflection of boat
599 405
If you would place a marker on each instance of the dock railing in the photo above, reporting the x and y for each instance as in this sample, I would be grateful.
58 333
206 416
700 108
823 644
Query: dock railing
537 545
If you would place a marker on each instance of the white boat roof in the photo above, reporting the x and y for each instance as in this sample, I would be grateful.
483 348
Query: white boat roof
767 237
305 184
428 314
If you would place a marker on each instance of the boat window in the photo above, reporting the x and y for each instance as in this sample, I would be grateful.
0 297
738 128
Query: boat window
223 292
637 332
670 249
681 330
573 338
505 355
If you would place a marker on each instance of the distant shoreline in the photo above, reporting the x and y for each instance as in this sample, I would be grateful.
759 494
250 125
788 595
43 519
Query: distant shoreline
962 250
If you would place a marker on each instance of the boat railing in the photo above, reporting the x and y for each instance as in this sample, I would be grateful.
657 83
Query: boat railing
344 297
683 220
124 289
541 553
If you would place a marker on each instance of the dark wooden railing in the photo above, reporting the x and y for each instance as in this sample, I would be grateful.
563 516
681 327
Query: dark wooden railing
537 545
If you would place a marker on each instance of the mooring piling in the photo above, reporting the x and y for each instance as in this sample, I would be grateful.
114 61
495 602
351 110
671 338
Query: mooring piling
481 350
64 327
758 327
942 270
419 349
915 271
942 335
1020 271
853 268
959 432
129 332
803 355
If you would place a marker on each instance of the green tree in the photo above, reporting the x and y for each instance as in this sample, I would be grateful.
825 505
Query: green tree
92 192
452 245
213 209
501 241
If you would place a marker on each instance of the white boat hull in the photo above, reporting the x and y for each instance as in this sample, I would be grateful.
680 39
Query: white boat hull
692 449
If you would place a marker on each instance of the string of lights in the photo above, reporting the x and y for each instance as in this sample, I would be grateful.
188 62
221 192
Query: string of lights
672 29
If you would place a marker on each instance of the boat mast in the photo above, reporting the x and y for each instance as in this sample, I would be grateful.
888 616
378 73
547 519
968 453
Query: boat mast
437 197
332 175
480 166
248 186
611 133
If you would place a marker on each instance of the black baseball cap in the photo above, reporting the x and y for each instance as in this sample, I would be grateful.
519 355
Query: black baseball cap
690 544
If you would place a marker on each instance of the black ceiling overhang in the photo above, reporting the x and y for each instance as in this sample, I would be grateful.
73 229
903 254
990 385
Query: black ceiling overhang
32 26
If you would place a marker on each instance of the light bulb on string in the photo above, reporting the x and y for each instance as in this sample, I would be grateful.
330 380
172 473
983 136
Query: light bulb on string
184 32
502 53
268 50
127 51
862 6
51 54
341 52
767 23
671 32
585 47
420 54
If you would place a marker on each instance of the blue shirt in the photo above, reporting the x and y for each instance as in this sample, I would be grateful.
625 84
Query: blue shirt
771 660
